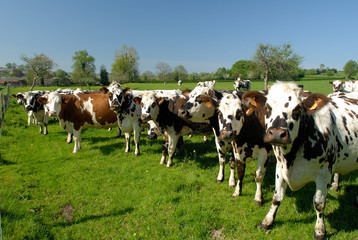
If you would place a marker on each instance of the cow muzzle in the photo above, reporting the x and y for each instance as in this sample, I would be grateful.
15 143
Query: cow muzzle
52 114
152 136
277 136
227 135
146 117
184 113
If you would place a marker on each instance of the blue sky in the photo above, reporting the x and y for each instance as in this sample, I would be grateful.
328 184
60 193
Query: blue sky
200 35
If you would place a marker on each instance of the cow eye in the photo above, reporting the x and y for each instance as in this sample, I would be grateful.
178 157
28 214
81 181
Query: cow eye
296 112
268 110
153 104
141 104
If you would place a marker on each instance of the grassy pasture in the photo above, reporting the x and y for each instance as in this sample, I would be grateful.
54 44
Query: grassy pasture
101 193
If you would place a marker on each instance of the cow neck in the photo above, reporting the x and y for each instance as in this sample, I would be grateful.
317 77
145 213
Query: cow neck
214 122
307 134
125 107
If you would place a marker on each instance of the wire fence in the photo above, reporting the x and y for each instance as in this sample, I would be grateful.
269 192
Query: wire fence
4 105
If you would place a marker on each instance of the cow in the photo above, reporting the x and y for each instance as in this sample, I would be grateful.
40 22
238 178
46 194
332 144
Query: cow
180 82
128 113
345 86
78 111
246 134
34 109
241 85
313 137
202 107
164 113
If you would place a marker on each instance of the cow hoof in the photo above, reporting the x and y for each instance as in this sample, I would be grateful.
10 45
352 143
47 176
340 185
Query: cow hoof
334 187
231 186
258 203
264 226
136 155
320 237
219 181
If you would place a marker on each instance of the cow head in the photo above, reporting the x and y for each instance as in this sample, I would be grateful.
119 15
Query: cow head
201 104
283 107
117 96
28 100
153 131
150 105
338 86
52 103
237 84
231 117
19 98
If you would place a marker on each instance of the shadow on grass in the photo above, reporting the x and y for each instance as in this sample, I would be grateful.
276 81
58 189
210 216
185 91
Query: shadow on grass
6 162
94 217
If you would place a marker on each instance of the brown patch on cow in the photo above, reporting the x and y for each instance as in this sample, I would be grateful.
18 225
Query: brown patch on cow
71 110
42 100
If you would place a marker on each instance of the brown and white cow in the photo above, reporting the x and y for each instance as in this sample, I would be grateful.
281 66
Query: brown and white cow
246 134
127 111
345 86
34 109
78 111
201 107
164 113
313 137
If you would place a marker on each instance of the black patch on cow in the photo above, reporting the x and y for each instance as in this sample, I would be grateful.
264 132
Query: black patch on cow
238 114
203 115
284 115
218 95
290 126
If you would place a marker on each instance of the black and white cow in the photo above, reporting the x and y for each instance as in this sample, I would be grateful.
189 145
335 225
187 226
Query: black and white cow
34 109
313 137
246 133
128 113
164 113
202 107
241 85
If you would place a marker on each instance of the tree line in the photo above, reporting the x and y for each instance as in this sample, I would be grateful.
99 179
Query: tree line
269 62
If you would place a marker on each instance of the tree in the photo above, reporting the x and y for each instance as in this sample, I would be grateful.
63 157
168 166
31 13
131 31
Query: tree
39 68
180 73
164 70
125 66
221 73
83 68
147 76
103 76
276 62
62 78
241 69
350 69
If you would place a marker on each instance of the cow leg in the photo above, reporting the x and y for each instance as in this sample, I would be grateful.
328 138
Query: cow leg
77 138
128 143
221 174
240 177
259 175
69 138
335 183
136 134
232 164
45 124
29 115
280 190
179 144
119 132
164 151
41 127
319 203
173 140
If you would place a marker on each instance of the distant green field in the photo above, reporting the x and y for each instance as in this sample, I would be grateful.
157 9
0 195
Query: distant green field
101 193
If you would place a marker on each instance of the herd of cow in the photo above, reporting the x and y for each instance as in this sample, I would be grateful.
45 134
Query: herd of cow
312 136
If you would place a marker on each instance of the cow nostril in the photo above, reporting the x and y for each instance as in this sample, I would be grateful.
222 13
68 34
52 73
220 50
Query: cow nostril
283 135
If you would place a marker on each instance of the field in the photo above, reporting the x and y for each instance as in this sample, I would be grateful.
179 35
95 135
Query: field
101 193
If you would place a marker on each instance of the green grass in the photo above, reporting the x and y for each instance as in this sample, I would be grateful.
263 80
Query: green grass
101 193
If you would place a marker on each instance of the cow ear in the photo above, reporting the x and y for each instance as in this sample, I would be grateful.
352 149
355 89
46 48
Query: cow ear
209 102
13 95
42 100
64 99
186 92
127 90
315 102
160 100
137 100
104 90
330 82
253 100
